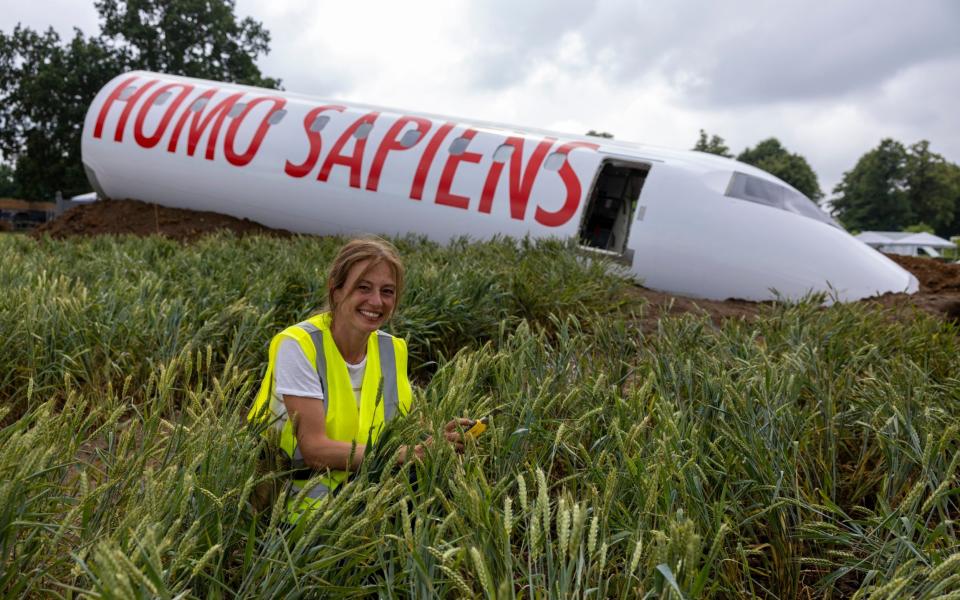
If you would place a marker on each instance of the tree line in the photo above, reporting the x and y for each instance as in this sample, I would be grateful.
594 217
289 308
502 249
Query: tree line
892 187
47 83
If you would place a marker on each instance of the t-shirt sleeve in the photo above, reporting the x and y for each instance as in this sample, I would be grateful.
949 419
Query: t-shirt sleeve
294 374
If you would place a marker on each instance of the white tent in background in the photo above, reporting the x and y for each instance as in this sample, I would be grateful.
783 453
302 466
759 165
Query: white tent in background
874 239
905 243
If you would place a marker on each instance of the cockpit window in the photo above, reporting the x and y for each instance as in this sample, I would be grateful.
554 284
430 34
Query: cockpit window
754 189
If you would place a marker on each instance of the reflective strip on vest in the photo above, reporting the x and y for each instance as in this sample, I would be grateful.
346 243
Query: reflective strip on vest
388 369
317 337
297 461
315 493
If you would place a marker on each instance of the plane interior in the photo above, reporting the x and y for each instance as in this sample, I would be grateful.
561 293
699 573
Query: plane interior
611 207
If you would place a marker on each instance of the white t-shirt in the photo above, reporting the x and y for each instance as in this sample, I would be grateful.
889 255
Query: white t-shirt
295 376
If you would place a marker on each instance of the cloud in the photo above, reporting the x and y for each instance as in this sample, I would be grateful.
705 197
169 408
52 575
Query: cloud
62 15
828 79
513 38
793 52
714 54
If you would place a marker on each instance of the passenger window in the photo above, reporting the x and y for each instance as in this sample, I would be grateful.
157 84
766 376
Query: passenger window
459 146
236 109
554 161
363 131
277 116
319 123
162 98
410 138
503 153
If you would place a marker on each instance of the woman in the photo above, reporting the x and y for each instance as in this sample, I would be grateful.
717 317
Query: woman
335 379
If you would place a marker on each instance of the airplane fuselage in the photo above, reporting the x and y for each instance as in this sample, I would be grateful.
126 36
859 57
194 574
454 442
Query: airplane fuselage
681 221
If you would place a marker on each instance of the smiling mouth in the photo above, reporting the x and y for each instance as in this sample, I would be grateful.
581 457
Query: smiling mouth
370 314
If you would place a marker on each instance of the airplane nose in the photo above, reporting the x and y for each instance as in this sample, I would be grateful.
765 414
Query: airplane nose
759 253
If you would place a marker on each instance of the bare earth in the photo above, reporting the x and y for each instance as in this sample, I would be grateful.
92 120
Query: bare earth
939 282
140 218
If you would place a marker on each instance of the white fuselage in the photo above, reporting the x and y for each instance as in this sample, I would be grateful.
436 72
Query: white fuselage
314 166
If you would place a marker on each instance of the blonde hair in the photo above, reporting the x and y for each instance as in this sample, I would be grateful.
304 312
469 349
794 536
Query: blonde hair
354 252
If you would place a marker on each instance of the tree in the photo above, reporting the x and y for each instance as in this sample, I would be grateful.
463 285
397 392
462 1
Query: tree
46 88
933 187
186 37
873 194
952 171
919 228
714 145
892 187
46 85
600 134
772 157
8 187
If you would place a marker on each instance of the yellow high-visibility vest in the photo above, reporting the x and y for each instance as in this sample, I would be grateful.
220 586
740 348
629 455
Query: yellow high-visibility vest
386 362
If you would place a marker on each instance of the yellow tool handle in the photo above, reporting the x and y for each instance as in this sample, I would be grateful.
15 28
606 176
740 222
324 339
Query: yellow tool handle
477 428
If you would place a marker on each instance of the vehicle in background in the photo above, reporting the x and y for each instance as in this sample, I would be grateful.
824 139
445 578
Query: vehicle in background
20 215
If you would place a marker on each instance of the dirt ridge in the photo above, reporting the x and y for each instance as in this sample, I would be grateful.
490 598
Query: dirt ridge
119 217
939 281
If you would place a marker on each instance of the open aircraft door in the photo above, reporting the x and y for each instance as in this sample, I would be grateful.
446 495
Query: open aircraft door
613 205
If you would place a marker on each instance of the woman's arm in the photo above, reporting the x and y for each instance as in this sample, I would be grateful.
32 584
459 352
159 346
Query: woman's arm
319 451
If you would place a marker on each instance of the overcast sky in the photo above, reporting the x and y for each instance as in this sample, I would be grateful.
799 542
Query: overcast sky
829 79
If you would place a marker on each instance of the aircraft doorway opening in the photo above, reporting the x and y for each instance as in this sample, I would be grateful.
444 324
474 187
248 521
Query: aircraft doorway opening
611 208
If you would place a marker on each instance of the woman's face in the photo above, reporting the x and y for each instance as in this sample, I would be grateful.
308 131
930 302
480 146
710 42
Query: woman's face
366 300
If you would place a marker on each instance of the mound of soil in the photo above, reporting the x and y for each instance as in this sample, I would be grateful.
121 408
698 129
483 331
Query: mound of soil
939 282
934 275
140 218
939 295
661 304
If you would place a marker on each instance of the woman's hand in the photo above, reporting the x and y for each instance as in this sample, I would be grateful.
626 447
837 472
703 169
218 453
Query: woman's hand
453 431
408 452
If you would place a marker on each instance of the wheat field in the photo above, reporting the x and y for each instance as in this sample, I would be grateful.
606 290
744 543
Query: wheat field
807 453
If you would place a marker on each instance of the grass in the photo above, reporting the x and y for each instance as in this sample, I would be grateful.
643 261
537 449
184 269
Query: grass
810 452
